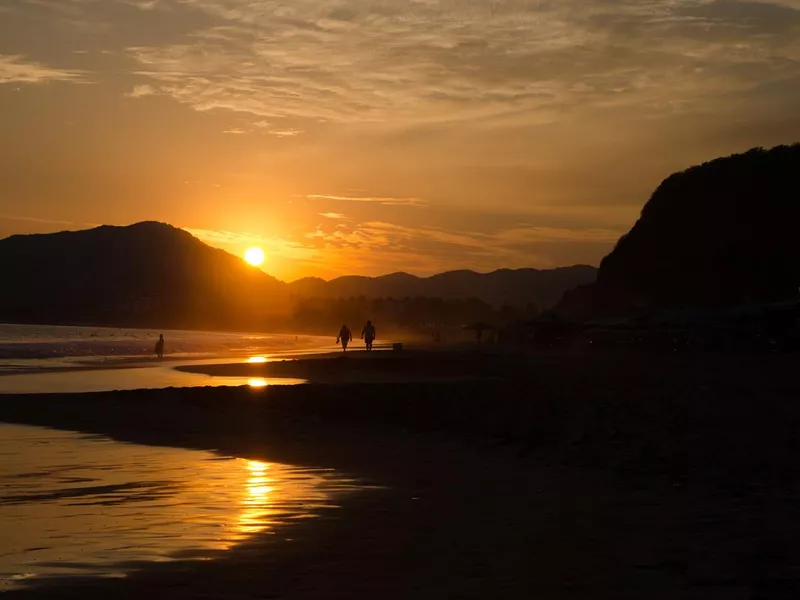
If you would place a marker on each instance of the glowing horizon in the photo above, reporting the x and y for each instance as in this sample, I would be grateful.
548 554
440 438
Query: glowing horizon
352 138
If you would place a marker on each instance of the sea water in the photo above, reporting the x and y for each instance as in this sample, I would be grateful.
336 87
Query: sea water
47 359
67 344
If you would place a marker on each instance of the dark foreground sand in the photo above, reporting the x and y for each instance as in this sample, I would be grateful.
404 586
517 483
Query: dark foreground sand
655 476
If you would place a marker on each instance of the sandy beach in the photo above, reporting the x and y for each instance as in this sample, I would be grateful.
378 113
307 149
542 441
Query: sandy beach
658 476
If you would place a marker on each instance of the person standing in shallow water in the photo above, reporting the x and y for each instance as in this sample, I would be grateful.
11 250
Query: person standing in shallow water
160 347
344 337
368 334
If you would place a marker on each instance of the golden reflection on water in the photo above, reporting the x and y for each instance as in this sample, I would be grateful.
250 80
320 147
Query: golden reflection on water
253 518
77 505
257 382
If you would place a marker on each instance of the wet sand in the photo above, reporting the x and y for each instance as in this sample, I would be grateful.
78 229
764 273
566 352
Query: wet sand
133 373
359 366
73 504
142 376
642 476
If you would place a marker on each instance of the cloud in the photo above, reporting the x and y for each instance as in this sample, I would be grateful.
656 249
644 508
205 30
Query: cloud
377 245
235 131
426 61
144 4
273 246
215 236
332 215
384 201
140 91
35 220
397 64
284 133
14 69
420 62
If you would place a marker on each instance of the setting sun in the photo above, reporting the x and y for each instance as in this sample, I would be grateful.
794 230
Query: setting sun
254 256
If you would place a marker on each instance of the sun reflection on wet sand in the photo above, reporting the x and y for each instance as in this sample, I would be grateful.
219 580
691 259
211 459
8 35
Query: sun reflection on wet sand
253 518
123 379
72 504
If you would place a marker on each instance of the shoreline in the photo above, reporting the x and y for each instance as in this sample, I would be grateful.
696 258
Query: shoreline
27 347
569 479
113 373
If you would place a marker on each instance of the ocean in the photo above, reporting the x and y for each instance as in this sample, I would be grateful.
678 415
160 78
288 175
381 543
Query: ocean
47 358
92 343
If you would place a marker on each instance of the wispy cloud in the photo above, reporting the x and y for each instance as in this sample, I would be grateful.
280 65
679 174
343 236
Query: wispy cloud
439 61
333 215
382 200
141 91
35 220
378 246
145 4
284 133
16 69
236 241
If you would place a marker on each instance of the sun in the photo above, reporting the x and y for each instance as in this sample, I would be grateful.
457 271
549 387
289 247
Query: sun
254 256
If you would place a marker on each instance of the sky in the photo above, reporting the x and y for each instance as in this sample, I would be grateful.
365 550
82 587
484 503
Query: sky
374 136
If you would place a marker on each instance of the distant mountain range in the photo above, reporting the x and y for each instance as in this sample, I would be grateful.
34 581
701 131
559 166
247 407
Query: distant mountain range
153 274
717 235
518 287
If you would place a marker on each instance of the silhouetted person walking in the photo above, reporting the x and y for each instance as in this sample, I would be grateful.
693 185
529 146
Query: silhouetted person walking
368 334
344 337
160 347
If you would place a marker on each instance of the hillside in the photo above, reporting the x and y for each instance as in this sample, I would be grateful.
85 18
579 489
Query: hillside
144 274
504 287
720 234
153 274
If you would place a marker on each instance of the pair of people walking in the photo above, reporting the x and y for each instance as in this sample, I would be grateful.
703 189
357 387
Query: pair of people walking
367 334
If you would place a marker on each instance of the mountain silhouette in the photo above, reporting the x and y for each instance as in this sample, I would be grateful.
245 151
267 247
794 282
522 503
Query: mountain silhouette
153 274
144 274
504 287
720 234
